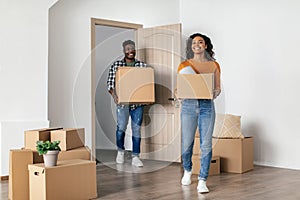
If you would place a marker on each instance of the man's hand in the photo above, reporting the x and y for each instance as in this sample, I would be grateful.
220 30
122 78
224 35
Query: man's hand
114 95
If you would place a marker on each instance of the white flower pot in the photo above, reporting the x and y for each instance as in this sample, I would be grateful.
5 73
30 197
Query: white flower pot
50 158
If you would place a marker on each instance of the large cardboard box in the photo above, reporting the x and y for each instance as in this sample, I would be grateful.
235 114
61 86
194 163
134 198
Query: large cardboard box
83 153
72 179
18 174
70 138
195 86
18 168
236 154
214 165
135 85
32 136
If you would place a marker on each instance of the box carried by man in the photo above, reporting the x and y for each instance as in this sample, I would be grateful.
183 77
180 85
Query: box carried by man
135 85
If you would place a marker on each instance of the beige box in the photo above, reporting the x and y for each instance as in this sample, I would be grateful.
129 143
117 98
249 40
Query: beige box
195 86
18 182
18 168
70 138
135 85
214 165
236 154
71 179
32 136
83 153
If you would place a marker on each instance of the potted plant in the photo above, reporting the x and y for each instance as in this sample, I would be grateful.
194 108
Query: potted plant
49 150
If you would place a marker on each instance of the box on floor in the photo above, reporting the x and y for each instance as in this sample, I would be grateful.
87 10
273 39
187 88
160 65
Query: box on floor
71 179
214 165
236 154
18 182
18 168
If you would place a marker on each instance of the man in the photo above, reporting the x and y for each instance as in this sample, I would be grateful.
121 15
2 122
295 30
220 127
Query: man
123 111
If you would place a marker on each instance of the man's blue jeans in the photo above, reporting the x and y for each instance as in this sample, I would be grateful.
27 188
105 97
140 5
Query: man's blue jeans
136 115
201 113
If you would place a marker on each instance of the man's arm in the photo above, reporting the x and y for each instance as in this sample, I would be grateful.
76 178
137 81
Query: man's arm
114 95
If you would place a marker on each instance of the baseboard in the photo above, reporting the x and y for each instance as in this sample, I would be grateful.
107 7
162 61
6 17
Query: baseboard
4 178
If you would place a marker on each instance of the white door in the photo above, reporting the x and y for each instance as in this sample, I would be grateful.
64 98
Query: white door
160 48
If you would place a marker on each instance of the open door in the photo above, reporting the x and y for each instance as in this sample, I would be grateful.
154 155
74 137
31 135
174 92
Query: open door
160 48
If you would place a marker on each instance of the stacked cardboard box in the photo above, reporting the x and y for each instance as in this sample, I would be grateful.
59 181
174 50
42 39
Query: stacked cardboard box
235 150
70 179
236 153
214 163
72 145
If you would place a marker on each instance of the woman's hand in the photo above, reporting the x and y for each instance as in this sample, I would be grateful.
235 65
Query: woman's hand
217 93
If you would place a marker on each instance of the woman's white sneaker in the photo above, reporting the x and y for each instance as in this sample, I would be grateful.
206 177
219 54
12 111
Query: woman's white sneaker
186 179
120 157
137 162
202 188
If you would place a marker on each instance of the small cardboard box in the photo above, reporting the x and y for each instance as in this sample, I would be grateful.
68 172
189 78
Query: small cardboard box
18 174
236 154
135 85
32 136
71 179
214 165
70 138
195 86
83 153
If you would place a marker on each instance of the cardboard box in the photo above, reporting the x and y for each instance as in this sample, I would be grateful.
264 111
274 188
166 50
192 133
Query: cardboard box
18 168
69 138
71 179
214 165
195 86
135 85
18 174
236 154
83 153
196 149
32 136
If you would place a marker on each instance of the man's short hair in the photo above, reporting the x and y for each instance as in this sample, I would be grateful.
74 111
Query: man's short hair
128 42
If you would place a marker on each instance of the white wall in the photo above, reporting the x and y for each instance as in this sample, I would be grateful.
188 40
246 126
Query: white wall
70 48
23 71
256 43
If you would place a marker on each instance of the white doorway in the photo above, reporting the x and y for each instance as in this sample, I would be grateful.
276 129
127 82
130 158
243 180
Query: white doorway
107 39
160 48
108 49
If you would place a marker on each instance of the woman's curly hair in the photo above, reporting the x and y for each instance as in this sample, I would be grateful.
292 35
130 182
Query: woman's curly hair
209 53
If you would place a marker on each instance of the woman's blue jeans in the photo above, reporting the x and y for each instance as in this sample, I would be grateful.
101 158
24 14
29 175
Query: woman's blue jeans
136 115
201 113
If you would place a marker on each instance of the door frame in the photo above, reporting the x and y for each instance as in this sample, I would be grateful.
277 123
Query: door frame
94 23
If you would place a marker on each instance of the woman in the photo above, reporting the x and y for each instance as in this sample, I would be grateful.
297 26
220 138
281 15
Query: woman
198 112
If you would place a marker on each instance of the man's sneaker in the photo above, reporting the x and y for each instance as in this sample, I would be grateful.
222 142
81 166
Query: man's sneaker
120 157
202 187
186 179
136 161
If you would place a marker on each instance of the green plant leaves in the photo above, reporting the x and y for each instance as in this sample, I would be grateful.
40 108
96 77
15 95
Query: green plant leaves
43 147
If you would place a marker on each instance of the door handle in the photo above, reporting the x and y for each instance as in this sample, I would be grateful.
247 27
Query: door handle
175 102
